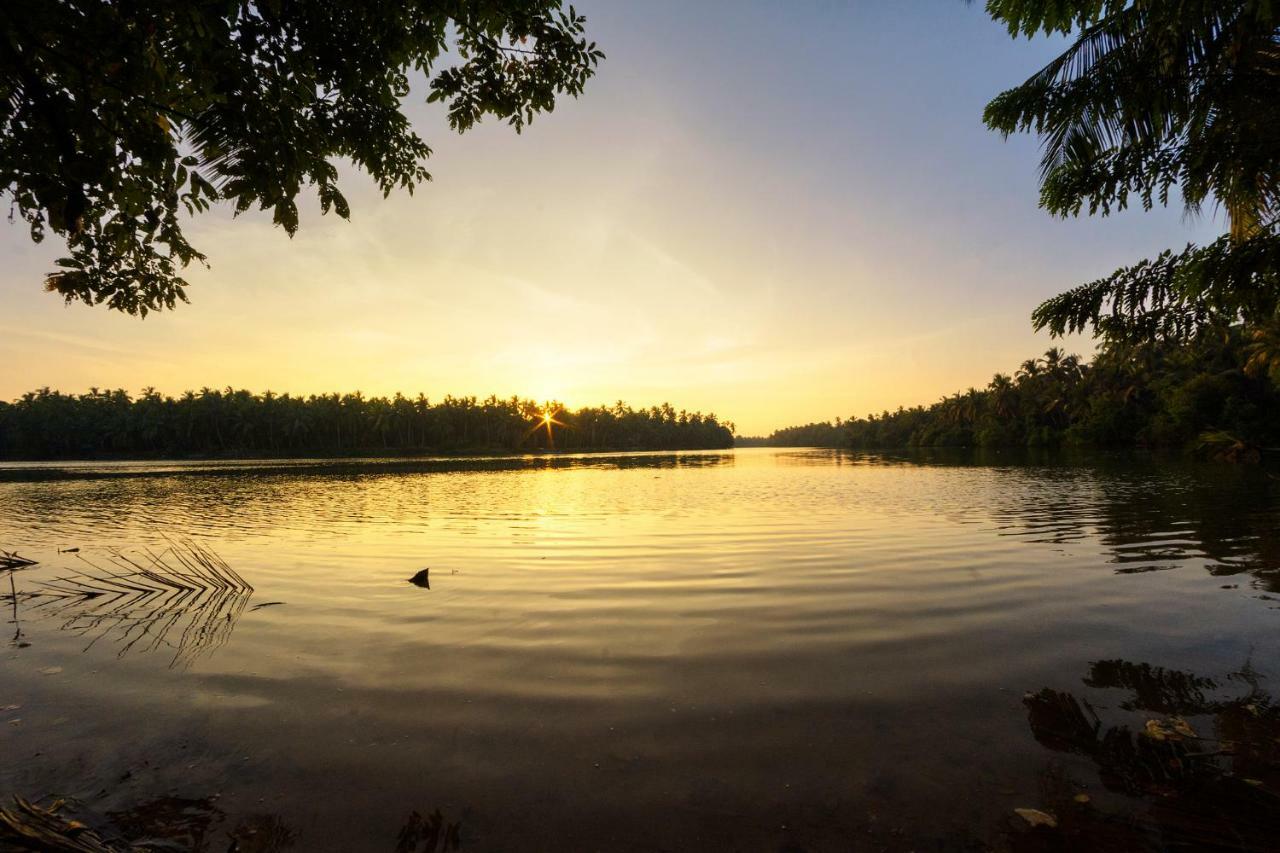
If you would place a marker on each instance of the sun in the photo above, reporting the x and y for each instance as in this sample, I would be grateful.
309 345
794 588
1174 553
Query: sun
546 419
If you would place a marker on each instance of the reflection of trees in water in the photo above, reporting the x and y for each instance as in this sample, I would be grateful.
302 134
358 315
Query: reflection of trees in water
1225 518
1147 514
1228 519
1207 767
1154 688
218 472
184 598
322 498
428 834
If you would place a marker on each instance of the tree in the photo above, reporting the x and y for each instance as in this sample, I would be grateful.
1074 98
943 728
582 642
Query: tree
118 117
1152 97
48 424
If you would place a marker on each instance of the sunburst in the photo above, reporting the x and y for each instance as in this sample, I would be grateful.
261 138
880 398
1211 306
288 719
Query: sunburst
547 420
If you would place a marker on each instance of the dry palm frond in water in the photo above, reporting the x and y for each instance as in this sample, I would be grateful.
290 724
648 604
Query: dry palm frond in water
10 560
185 597
27 826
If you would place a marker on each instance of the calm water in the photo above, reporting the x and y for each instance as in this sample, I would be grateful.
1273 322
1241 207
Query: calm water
759 650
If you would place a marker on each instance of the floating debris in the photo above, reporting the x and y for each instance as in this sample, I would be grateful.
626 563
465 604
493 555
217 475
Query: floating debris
11 560
186 598
1203 791
1174 728
183 824
31 827
422 579
1035 817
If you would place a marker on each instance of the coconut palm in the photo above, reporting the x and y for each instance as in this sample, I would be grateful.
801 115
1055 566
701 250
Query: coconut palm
1263 351
1150 98
1152 95
1003 395
48 424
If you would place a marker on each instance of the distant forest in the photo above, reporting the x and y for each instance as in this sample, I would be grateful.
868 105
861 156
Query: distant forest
1217 393
48 424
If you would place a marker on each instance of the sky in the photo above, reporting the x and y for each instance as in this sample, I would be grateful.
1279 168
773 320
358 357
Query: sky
780 211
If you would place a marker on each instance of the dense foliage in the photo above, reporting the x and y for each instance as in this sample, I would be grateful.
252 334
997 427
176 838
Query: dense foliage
807 435
1216 393
118 117
1155 101
50 425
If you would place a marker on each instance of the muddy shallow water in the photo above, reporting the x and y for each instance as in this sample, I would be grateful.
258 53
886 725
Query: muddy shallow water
756 649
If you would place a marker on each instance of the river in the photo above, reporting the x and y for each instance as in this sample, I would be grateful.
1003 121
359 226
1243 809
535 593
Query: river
761 649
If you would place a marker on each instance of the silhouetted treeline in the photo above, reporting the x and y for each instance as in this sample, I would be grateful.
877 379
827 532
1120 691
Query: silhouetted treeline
809 435
1209 393
47 424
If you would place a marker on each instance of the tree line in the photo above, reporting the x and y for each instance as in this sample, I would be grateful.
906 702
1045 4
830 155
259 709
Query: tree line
1151 104
821 434
1217 393
47 424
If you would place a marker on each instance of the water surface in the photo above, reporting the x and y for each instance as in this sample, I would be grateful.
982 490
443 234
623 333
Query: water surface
761 649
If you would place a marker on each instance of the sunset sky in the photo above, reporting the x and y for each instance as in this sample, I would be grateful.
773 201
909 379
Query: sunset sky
777 211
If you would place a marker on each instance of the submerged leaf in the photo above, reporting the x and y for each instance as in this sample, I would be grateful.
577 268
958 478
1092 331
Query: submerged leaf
1035 817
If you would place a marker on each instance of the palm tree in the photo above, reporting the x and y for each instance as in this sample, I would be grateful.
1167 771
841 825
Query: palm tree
1072 367
46 423
1153 94
1003 395
1263 351
1156 100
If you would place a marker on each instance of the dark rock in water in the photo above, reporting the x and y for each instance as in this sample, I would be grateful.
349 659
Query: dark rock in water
421 579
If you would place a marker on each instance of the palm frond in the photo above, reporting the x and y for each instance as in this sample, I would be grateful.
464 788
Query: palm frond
185 598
